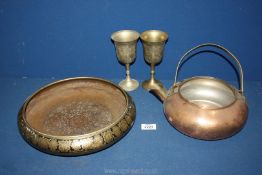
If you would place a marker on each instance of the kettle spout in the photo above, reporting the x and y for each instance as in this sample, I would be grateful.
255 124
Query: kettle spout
159 90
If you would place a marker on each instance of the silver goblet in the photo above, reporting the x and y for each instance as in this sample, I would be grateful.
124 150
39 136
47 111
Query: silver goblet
153 45
125 44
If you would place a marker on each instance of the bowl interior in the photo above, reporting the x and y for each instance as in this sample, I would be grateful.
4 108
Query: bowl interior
207 93
75 107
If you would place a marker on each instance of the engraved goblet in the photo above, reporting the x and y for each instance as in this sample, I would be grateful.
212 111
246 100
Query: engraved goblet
153 45
125 44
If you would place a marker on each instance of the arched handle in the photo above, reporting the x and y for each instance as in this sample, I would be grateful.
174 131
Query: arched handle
184 57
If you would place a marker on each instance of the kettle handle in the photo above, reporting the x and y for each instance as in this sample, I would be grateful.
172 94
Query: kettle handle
240 71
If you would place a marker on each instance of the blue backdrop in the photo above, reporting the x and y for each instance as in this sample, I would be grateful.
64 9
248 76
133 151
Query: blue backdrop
72 38
41 39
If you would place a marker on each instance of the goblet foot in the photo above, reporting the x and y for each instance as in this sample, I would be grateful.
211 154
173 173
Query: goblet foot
152 84
129 84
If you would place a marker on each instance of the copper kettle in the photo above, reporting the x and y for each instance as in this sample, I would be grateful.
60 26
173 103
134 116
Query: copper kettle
204 107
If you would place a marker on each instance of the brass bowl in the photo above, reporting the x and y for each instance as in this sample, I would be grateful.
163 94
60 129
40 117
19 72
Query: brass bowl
76 116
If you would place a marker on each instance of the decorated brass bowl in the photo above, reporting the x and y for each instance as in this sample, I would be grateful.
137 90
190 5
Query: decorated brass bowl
76 116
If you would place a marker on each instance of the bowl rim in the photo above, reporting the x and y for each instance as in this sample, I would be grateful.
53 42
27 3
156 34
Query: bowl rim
80 136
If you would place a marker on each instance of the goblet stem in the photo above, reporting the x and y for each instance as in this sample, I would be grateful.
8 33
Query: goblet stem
128 84
153 84
128 77
152 72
